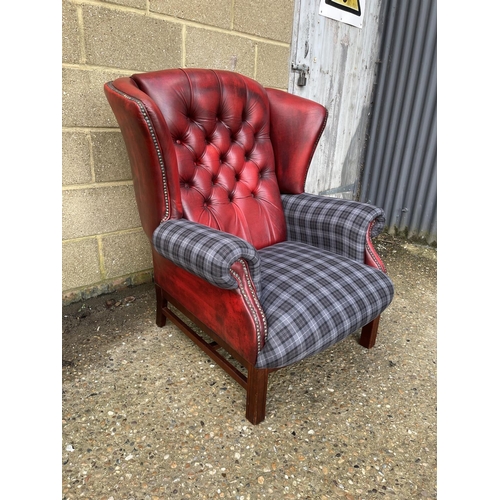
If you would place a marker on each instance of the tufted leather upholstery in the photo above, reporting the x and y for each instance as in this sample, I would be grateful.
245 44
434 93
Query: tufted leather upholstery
220 126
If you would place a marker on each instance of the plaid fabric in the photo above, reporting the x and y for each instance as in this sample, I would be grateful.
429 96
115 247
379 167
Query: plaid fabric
205 252
313 299
333 224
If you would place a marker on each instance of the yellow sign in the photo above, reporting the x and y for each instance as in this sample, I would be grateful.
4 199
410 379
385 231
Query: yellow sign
345 11
351 6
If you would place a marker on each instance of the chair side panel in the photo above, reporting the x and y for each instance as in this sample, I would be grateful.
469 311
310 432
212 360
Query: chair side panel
223 311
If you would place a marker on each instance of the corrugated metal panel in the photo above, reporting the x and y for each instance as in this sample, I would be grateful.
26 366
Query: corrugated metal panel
399 173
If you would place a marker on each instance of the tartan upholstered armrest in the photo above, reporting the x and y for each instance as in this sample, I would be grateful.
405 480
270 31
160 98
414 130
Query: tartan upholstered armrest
206 252
333 224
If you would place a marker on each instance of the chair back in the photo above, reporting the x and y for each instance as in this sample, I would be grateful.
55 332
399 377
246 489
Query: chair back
219 130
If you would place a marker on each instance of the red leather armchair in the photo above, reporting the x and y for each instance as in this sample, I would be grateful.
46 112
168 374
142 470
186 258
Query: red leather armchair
269 273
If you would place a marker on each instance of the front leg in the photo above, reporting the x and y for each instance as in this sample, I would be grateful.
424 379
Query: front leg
256 394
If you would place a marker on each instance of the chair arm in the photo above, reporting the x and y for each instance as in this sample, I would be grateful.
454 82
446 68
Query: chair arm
206 252
341 226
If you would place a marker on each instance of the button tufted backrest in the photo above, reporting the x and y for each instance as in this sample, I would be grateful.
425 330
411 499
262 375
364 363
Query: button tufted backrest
219 122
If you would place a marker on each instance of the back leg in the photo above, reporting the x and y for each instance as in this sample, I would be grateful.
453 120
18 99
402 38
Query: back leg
369 333
161 302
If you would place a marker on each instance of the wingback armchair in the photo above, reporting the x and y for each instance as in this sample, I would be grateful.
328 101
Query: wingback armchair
270 274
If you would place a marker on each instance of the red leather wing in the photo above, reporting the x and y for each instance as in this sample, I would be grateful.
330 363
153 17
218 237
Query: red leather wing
296 127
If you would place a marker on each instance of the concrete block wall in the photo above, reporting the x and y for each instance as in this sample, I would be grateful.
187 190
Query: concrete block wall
104 247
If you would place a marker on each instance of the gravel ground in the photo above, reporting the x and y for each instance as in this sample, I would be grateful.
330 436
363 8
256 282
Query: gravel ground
147 415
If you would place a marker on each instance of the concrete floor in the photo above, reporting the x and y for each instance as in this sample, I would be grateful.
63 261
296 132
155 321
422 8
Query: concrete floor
147 415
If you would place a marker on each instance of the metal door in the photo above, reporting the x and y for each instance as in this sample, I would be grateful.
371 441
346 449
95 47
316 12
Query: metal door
335 64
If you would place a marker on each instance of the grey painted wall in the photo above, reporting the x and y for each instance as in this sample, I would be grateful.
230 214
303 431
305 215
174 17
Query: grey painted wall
342 61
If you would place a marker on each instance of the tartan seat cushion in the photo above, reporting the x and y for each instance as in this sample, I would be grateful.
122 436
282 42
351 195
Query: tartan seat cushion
313 299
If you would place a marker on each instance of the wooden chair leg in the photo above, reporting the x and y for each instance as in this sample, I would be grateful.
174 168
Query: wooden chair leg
369 333
161 319
256 394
